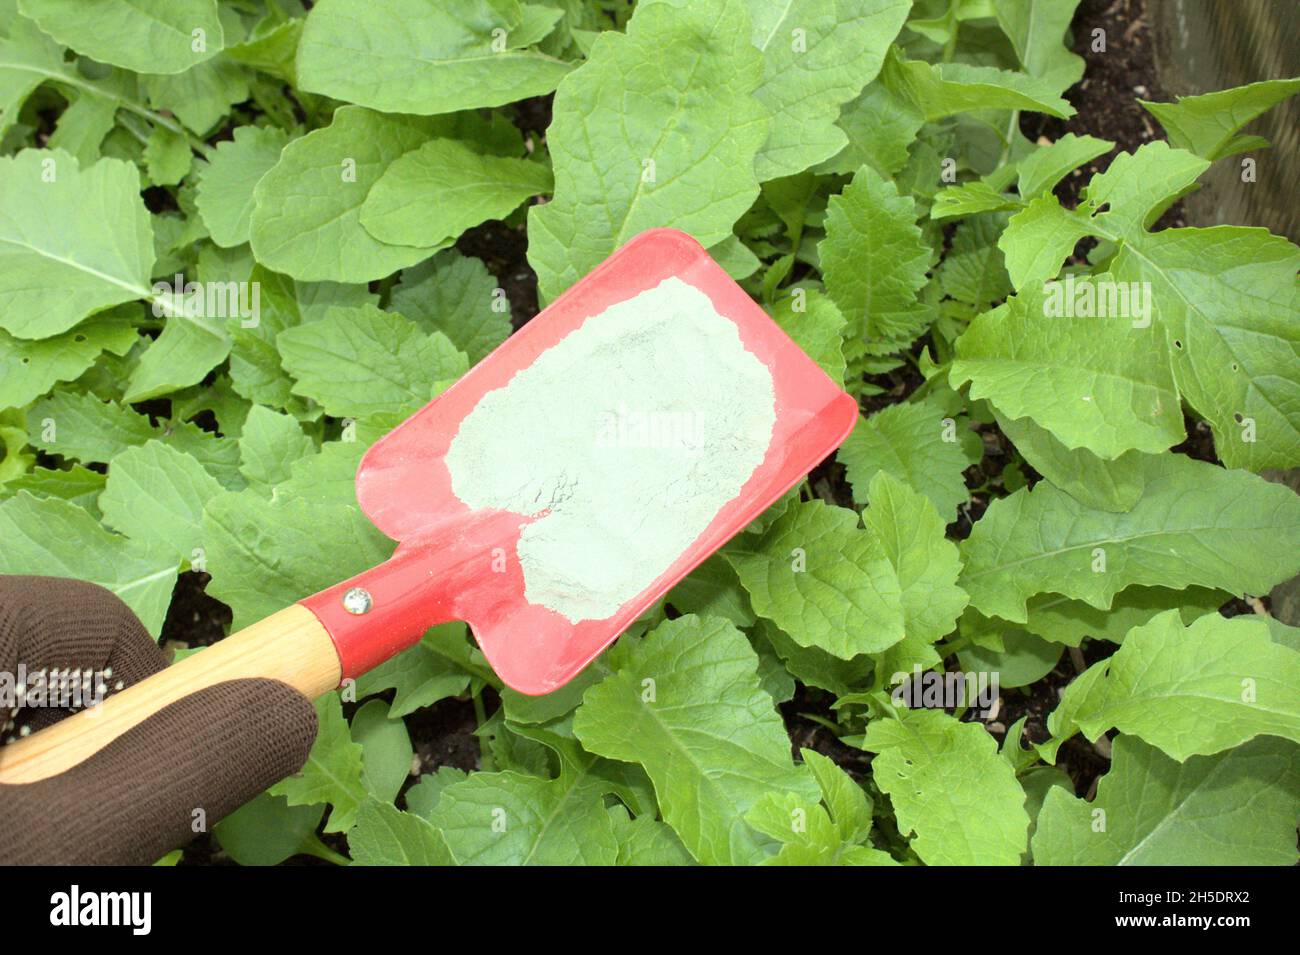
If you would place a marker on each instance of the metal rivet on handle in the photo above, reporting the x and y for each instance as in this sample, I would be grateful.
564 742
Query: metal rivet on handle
358 601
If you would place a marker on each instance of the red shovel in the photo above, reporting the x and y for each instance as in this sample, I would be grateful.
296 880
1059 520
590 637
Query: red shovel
458 563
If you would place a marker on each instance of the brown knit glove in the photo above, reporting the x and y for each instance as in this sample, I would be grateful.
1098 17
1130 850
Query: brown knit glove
135 799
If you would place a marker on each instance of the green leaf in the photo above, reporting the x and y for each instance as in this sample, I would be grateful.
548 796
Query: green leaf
1100 382
713 590
911 533
385 749
83 126
256 371
225 192
635 146
190 346
1038 239
1236 808
646 841
950 789
332 773
1091 480
79 485
1036 29
434 193
1041 170
268 444
512 819
973 271
822 580
59 539
873 258
145 36
430 671
58 264
937 90
266 554
816 326
384 835
1062 620
82 426
1180 532
458 296
409 56
1227 301
816 57
306 219
880 126
970 198
155 495
1207 125
702 727
167 157
1190 691
362 361
29 368
849 806
1024 659
267 830
201 96
915 442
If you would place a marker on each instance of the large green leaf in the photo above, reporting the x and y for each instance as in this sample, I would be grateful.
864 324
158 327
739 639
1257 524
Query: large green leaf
950 789
423 56
1036 28
57 538
332 772
910 441
436 192
937 90
873 257
1179 532
1225 298
155 495
363 361
823 580
225 193
687 705
306 219
456 295
266 554
146 36
512 819
816 56
1208 125
636 144
1191 691
911 533
29 367
1098 382
384 835
72 241
1236 808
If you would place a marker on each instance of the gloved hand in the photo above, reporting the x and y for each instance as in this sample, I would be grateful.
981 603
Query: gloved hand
135 799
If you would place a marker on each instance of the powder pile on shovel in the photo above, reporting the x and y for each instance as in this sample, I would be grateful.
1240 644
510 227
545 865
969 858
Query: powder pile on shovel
632 433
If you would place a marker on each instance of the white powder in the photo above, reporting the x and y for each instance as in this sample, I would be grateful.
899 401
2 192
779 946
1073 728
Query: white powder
633 432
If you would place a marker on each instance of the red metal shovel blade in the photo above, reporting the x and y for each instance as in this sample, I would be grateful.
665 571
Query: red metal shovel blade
405 486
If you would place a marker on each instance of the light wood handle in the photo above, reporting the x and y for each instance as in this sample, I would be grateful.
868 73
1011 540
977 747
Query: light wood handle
290 646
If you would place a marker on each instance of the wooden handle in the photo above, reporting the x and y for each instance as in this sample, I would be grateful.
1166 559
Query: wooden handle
290 646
